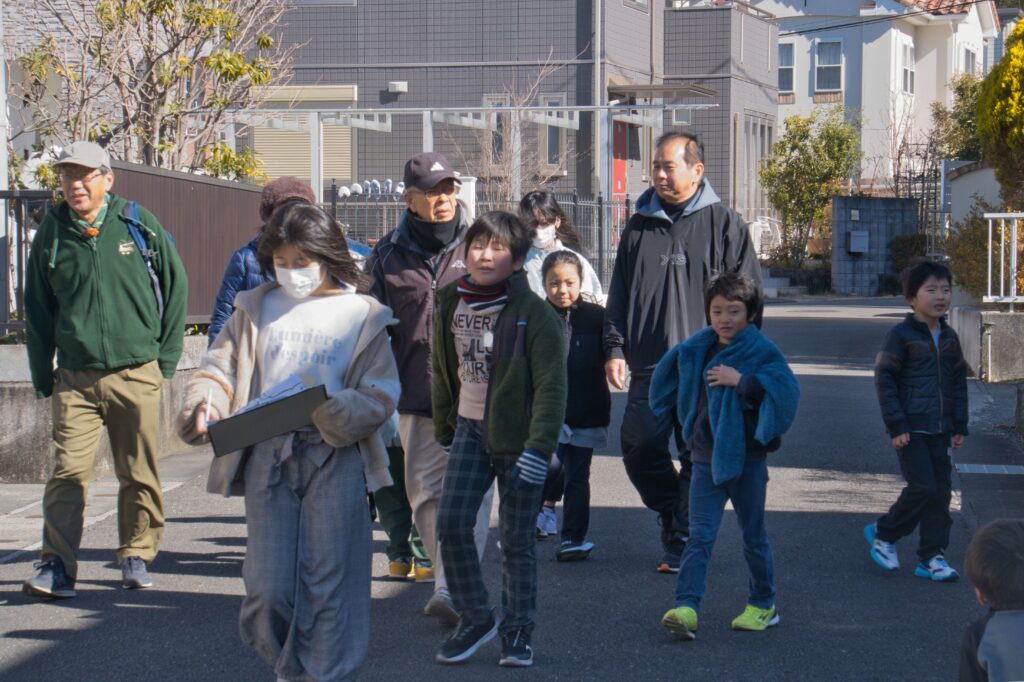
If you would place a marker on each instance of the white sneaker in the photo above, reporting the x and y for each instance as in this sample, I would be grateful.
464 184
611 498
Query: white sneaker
550 520
884 553
937 569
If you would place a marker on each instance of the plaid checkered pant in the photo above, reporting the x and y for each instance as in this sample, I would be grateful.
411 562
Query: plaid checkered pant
470 472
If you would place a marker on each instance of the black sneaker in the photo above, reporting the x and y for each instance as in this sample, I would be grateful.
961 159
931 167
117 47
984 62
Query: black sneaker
673 555
466 639
134 574
574 551
515 649
50 581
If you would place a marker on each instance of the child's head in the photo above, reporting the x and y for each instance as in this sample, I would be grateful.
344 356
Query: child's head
731 302
927 286
541 213
562 273
300 236
496 246
995 564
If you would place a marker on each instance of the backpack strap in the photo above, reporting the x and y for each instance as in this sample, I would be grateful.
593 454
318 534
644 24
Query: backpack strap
130 213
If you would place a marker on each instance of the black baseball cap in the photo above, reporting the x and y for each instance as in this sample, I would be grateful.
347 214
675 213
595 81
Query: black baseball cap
426 169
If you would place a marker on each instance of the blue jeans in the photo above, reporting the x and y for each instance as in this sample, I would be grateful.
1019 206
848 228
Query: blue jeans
707 504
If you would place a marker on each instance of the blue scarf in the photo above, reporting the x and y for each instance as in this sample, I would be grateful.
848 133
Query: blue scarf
675 384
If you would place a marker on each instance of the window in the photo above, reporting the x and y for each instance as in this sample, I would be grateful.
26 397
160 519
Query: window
970 61
908 68
682 117
828 68
785 67
554 142
501 126
636 4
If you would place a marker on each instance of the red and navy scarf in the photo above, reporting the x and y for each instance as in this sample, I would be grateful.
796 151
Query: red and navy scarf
480 298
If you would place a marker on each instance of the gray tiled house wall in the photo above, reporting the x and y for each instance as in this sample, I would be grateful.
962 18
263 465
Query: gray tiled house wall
882 218
451 53
732 52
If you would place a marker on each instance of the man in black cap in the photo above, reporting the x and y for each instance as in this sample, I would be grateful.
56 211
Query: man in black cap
421 255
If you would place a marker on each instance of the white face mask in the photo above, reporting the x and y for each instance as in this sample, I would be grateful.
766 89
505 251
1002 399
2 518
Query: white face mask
545 236
300 282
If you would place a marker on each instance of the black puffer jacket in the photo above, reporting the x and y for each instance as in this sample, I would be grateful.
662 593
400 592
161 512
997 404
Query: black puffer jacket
589 403
921 388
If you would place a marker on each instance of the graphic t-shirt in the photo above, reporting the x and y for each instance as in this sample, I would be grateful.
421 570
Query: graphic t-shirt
474 342
315 335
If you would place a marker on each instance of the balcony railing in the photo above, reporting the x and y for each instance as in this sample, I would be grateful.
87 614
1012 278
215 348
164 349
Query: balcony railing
1004 239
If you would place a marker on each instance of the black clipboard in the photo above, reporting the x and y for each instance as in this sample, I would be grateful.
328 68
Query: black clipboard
266 421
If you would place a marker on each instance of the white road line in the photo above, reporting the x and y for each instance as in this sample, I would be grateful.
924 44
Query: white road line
1004 469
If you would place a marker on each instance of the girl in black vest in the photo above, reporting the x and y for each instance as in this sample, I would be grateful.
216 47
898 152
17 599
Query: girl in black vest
588 408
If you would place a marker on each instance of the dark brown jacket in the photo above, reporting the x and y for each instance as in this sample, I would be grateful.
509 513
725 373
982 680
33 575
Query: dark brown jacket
406 277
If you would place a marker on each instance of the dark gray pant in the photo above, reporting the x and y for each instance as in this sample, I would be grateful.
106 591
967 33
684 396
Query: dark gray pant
648 460
924 501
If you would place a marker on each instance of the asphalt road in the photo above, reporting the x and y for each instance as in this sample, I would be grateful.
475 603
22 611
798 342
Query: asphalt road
842 617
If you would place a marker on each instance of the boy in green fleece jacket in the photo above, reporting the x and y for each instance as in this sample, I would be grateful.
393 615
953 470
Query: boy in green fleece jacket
498 391
89 298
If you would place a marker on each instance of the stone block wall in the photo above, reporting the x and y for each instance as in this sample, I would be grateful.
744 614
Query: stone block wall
883 218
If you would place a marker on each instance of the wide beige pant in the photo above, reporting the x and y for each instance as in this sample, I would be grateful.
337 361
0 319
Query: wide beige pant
425 464
126 402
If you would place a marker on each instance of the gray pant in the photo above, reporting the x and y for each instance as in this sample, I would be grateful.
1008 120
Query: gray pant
307 566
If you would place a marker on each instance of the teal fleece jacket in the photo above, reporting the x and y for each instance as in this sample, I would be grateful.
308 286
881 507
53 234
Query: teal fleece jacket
92 302
526 393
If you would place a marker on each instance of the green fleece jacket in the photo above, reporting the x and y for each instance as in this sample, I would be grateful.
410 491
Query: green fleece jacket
525 403
92 301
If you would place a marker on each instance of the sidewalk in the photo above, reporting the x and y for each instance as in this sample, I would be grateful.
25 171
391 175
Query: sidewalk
990 464
21 512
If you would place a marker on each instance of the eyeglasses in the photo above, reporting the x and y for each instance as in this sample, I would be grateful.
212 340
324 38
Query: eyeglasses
86 176
443 191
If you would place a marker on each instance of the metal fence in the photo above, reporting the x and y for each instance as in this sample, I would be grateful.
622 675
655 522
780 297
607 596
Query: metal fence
1005 277
598 220
23 210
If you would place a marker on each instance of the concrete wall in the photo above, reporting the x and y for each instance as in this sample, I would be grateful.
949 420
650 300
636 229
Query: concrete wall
981 182
991 342
26 446
883 219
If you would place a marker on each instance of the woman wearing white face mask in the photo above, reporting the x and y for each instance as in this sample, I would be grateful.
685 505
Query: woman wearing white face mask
306 610
554 232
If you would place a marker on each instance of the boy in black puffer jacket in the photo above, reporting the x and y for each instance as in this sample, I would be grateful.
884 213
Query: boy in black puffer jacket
921 379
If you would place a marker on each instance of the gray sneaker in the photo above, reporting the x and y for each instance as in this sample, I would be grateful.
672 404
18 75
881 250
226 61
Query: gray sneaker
134 574
440 606
50 581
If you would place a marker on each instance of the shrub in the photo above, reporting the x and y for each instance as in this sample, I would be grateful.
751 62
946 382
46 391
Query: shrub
904 248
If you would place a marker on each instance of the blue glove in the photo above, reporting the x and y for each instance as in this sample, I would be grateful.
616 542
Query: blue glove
530 470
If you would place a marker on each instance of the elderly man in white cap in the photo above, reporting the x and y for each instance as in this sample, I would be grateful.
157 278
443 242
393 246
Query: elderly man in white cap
105 291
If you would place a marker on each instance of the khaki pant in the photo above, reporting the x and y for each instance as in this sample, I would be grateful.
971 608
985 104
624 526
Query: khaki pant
425 465
126 401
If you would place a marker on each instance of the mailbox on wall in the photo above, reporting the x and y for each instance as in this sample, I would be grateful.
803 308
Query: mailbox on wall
857 241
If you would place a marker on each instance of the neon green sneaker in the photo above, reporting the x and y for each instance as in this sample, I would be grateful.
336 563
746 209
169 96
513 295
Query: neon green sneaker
681 622
755 619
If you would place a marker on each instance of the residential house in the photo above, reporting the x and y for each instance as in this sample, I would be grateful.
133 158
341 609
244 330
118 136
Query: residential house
884 61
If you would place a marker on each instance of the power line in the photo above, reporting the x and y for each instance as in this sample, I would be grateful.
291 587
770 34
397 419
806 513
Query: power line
871 20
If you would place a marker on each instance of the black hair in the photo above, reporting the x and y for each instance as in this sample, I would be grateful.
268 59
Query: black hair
693 152
557 258
310 230
914 277
545 203
995 563
504 226
732 286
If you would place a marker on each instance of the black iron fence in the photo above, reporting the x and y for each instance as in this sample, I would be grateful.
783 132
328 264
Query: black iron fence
599 221
23 210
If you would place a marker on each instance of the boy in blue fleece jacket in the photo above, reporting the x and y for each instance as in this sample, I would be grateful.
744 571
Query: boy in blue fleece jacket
735 396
